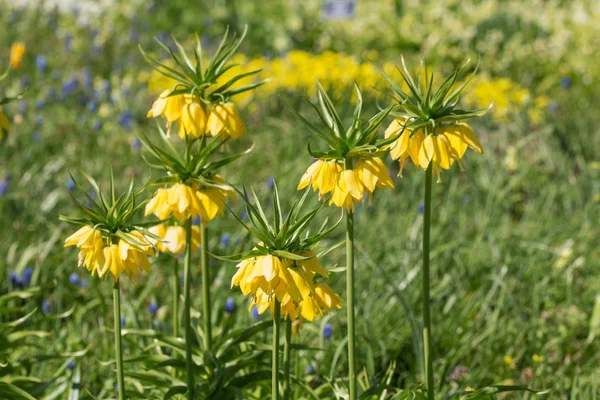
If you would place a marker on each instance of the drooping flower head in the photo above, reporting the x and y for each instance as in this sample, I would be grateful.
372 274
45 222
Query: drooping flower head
429 126
200 100
283 266
108 243
352 167
173 238
192 187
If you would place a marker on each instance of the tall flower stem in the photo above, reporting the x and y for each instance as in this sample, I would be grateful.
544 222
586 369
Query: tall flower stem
206 289
350 295
426 300
186 311
275 361
297 373
176 297
118 348
287 349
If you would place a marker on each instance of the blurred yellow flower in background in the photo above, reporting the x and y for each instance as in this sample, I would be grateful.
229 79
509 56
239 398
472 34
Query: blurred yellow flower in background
17 52
4 125
174 237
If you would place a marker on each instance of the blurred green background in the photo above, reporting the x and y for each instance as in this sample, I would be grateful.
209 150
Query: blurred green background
515 265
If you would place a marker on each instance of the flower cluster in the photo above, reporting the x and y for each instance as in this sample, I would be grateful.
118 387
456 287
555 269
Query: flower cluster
173 238
352 168
124 256
188 201
447 144
347 187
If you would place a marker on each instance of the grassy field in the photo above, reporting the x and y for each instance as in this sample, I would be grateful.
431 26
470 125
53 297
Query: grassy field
515 237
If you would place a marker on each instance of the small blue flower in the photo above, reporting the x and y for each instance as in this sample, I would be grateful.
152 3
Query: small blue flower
243 215
136 144
14 277
46 306
153 308
83 283
70 185
70 364
25 81
421 207
39 120
225 239
123 321
310 370
229 305
88 79
327 331
27 274
70 86
36 136
196 220
40 63
126 119
255 313
271 183
565 82
92 106
238 241
97 125
40 104
3 187
74 278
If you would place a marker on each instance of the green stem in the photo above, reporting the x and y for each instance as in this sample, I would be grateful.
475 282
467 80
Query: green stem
186 311
297 373
287 349
426 300
206 289
275 361
176 297
350 296
118 348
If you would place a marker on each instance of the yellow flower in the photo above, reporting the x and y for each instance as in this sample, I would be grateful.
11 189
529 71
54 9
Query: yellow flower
225 118
537 358
469 389
91 244
193 121
4 125
373 173
174 238
166 106
508 360
405 146
348 190
117 259
17 52
323 175
326 297
184 201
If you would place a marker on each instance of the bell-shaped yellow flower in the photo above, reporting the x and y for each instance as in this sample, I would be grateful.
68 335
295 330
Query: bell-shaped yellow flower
323 175
193 121
348 190
373 173
166 106
326 297
174 238
405 146
91 245
17 52
4 125
225 118
184 201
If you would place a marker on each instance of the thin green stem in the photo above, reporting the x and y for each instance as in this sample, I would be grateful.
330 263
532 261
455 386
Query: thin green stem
426 300
287 349
118 346
297 373
186 311
175 297
275 361
350 296
206 289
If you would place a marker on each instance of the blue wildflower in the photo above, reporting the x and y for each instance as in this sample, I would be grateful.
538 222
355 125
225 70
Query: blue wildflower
3 187
152 308
22 106
92 106
310 370
25 81
327 331
97 125
126 119
70 364
271 183
565 82
255 313
196 220
39 120
123 321
70 185
40 63
46 306
88 79
27 274
243 215
136 144
83 283
229 305
74 278
421 207
70 86
40 104
225 239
